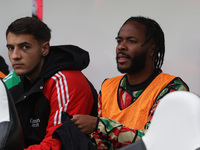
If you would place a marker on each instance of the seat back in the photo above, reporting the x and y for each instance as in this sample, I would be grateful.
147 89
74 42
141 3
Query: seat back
11 136
175 124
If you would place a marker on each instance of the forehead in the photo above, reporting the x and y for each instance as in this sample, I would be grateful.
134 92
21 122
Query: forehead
133 28
19 38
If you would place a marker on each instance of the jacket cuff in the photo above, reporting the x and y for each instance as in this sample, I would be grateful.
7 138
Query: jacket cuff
97 123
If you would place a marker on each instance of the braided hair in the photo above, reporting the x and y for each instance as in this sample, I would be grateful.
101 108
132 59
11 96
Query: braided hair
154 32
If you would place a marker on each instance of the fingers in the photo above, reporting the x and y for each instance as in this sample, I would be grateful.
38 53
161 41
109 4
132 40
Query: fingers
85 123
77 119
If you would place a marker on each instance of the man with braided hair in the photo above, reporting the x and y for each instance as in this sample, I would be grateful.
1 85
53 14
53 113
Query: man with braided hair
127 103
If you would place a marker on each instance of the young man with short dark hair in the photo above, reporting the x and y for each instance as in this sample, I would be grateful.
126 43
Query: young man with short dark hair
46 81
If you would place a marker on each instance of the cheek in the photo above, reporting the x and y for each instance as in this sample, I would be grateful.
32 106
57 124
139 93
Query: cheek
33 62
9 55
34 58
116 50
136 51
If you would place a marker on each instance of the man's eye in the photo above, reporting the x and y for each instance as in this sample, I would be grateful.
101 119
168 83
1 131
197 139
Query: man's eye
132 41
25 47
119 41
10 48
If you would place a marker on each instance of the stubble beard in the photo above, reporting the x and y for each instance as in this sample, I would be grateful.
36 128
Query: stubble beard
137 64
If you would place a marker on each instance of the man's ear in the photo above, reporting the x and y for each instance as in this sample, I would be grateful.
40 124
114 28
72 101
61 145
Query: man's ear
45 48
152 50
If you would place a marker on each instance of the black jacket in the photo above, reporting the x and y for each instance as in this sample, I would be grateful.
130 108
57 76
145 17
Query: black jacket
71 137
29 98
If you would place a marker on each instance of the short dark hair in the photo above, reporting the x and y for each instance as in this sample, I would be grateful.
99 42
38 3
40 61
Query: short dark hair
30 25
154 32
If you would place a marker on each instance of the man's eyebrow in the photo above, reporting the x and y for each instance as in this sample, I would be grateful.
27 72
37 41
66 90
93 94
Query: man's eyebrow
8 45
129 37
118 37
24 43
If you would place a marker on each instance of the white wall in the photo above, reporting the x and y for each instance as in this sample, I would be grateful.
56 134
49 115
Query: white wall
93 25
9 11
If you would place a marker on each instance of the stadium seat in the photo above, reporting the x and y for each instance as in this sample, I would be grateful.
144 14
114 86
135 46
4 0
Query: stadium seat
175 125
11 136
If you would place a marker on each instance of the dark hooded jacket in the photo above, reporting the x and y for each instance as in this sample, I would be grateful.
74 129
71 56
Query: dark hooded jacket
33 105
3 66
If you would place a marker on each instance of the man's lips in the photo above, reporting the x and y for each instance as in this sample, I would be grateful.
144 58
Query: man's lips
17 65
121 58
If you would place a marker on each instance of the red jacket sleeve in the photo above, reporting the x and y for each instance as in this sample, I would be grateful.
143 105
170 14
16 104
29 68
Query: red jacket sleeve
67 91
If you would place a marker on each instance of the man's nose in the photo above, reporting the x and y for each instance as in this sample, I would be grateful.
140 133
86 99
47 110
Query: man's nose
122 46
15 54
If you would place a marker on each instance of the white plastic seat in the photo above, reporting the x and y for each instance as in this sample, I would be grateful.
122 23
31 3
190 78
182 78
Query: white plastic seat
175 124
11 136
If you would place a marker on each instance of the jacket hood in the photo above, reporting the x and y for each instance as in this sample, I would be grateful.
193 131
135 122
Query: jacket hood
3 66
64 57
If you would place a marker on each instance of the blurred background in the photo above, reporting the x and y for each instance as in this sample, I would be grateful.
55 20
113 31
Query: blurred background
93 26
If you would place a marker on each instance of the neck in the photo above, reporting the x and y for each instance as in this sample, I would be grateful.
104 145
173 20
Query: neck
139 77
34 74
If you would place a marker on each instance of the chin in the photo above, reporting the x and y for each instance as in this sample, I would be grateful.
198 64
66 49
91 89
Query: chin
122 70
19 73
